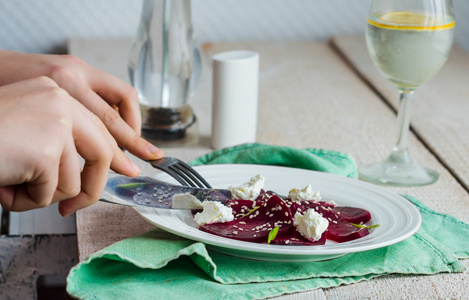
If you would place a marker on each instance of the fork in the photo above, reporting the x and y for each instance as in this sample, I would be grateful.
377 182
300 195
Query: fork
180 171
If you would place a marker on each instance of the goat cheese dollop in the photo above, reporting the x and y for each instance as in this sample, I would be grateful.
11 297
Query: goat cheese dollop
305 193
214 212
248 190
186 201
311 224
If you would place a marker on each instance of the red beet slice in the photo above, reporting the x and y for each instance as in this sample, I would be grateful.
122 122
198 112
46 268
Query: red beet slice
339 229
343 231
352 214
304 205
295 238
255 227
240 207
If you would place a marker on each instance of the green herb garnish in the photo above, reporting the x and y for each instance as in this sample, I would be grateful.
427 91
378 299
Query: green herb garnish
199 194
131 185
250 212
365 226
272 234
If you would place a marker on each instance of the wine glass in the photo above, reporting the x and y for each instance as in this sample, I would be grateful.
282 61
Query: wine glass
409 41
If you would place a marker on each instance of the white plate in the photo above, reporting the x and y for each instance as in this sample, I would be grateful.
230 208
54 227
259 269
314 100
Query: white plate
398 218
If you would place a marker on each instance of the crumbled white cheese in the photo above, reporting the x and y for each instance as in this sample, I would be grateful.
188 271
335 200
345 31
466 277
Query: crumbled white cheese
311 224
248 190
214 212
186 201
305 193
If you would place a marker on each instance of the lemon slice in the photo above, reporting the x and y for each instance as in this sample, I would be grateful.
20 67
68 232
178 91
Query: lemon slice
408 20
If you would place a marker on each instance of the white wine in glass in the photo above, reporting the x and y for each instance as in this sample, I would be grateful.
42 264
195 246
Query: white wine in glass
409 41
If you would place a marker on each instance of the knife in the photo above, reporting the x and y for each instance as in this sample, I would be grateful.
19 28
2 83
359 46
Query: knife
150 192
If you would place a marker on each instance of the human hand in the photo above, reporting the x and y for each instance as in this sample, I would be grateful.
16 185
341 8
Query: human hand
112 100
43 129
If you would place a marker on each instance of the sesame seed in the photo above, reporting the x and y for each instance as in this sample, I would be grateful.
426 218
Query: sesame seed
235 232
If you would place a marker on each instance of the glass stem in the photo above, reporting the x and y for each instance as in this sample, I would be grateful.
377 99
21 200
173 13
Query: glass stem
400 151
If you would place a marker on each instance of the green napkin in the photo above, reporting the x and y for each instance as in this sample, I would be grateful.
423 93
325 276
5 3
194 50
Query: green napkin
159 265
310 159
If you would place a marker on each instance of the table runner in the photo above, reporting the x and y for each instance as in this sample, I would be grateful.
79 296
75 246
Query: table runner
161 265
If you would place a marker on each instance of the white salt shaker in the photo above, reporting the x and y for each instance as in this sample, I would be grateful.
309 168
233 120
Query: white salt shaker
235 92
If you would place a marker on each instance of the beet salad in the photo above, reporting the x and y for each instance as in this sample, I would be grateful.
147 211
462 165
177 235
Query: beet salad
301 218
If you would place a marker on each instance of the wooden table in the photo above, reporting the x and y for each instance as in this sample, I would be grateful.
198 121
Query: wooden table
325 94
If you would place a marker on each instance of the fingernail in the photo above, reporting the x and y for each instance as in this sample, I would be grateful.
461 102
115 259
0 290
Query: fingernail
155 151
136 167
65 214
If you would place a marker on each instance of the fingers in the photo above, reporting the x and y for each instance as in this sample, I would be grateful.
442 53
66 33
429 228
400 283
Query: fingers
49 171
93 180
77 77
33 194
119 93
59 128
101 92
100 152
69 181
125 136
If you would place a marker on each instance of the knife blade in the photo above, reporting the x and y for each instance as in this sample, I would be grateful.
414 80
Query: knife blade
148 191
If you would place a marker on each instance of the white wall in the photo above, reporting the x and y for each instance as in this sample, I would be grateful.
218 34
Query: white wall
45 25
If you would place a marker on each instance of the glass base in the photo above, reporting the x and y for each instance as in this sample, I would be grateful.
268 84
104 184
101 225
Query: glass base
173 138
169 127
397 174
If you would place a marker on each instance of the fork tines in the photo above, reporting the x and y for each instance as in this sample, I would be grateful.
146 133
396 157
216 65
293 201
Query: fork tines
180 171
